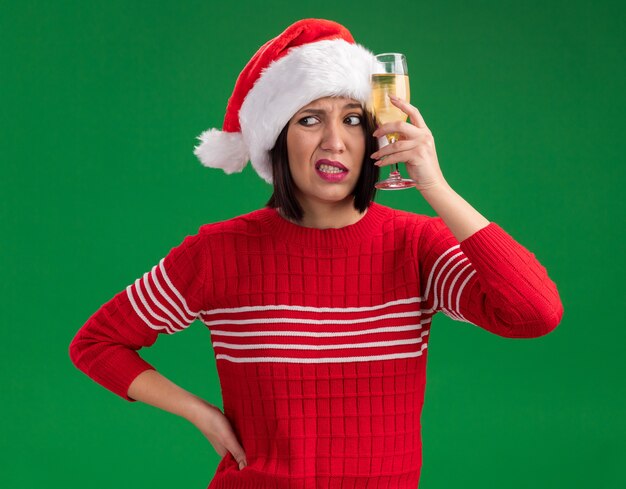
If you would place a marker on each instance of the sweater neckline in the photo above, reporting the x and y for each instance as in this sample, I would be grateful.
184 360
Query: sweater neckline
366 226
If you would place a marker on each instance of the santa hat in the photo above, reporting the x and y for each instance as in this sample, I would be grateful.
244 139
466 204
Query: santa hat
312 58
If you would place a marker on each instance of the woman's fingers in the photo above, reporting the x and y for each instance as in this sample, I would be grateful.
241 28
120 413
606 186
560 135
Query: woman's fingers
233 446
415 147
414 115
401 145
407 156
400 157
422 138
404 128
408 130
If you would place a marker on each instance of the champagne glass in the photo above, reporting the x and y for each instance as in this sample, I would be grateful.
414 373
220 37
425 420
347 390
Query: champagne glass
390 76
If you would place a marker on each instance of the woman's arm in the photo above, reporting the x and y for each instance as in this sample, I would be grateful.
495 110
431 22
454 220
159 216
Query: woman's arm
165 300
470 269
153 388
488 279
510 293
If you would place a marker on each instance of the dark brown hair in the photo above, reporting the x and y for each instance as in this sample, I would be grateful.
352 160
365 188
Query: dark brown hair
284 197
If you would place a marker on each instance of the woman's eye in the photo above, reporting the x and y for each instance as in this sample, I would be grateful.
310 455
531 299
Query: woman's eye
354 120
307 121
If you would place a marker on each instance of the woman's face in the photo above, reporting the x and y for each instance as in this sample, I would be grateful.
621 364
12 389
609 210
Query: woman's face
326 148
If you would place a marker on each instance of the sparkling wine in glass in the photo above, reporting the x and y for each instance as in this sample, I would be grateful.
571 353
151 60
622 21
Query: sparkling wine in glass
390 76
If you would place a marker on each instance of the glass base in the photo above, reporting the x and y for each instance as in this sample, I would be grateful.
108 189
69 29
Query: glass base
395 182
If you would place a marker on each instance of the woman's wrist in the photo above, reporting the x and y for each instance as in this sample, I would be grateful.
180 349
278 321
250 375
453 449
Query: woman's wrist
196 408
433 188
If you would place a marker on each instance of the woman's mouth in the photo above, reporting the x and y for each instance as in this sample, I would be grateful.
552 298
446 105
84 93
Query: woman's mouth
331 171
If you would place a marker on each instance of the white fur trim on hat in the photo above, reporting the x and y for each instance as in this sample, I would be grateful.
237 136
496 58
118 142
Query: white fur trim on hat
308 72
225 150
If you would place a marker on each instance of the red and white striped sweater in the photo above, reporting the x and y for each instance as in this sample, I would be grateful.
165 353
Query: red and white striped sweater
321 336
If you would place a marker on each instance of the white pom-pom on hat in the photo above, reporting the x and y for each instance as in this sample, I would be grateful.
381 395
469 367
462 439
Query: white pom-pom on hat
225 150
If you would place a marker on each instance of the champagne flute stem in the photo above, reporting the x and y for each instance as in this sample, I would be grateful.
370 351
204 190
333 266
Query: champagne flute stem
392 138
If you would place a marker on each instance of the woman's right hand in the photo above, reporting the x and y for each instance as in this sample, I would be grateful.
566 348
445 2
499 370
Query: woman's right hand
216 427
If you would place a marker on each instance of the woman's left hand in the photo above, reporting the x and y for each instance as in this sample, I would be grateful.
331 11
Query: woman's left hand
415 147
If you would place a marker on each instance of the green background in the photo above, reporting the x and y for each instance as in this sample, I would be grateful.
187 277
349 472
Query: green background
101 104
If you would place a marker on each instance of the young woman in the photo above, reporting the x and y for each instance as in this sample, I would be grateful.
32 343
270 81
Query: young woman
320 303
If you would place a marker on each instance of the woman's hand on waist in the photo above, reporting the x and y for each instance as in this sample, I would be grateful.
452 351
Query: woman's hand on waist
216 427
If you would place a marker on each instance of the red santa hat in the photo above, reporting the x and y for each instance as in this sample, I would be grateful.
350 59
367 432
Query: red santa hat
312 58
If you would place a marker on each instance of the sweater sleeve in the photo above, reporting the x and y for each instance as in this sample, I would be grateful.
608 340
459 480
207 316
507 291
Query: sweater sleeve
165 300
488 279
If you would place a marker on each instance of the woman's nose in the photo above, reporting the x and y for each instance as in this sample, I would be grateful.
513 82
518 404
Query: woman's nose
332 138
